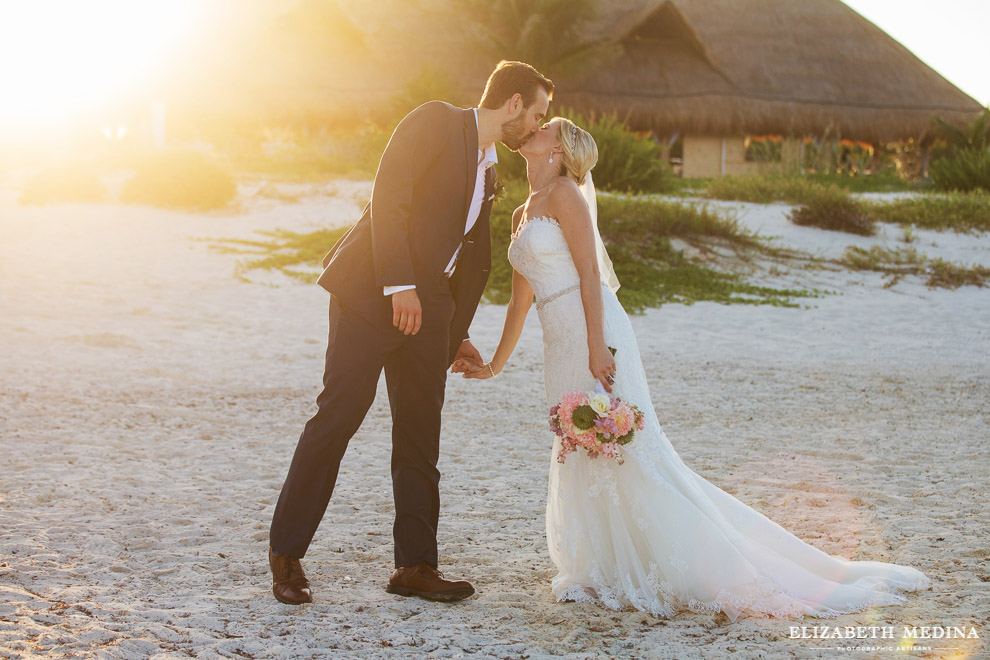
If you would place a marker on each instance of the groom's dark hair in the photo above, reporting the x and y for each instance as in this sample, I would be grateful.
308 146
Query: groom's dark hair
508 78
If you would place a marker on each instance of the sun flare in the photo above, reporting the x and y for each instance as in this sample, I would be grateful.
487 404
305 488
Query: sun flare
62 58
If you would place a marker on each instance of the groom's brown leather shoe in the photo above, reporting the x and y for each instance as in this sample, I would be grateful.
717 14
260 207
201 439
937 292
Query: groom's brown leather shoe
289 583
427 582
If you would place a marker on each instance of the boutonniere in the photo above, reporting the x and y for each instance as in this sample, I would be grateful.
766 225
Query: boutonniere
497 189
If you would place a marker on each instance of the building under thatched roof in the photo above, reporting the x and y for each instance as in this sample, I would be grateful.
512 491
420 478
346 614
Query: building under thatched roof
717 71
722 67
712 72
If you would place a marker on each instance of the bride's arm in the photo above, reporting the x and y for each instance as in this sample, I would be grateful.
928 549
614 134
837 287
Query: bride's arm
571 211
515 317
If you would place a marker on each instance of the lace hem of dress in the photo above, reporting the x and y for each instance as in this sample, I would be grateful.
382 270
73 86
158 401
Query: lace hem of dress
753 603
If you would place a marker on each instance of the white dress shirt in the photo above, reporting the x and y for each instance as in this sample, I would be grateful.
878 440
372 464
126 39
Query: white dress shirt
486 158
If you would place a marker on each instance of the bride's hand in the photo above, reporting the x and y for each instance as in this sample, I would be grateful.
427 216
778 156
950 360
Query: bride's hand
463 365
467 359
484 371
602 365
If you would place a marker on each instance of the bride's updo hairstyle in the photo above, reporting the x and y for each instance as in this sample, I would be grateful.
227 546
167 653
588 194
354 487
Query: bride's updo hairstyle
580 150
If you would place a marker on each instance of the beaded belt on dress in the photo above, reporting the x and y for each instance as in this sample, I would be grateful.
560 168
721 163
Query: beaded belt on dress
554 296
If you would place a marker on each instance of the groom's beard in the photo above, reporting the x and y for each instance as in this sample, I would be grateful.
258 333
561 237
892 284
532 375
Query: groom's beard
514 133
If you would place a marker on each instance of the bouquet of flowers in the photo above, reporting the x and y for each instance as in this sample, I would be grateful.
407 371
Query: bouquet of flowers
596 421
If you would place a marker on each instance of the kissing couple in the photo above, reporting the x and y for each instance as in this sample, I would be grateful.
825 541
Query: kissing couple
645 532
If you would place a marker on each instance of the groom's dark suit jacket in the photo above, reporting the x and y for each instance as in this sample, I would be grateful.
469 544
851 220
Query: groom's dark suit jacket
415 221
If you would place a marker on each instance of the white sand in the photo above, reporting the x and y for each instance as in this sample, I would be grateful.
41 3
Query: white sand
150 403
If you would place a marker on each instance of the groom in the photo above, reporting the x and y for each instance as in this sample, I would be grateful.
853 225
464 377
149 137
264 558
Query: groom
404 284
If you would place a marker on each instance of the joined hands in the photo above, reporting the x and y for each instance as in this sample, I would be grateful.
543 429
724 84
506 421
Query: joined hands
468 360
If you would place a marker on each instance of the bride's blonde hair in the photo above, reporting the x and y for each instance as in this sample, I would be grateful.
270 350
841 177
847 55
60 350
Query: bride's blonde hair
580 150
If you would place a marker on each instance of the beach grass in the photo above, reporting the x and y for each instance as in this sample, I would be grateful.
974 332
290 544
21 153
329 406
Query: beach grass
959 212
835 210
897 263
295 254
764 189
638 231
793 189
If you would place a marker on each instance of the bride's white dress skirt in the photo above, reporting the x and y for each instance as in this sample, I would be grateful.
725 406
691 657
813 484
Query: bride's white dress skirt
651 533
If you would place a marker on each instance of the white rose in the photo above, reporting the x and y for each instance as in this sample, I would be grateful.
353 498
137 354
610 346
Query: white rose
600 403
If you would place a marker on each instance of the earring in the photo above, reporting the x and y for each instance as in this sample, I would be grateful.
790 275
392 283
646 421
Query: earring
551 158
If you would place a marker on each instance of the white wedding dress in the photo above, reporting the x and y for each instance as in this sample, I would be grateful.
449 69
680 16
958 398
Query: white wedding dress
650 533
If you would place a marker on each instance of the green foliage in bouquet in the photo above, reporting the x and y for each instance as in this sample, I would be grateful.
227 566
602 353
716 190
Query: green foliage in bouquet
584 417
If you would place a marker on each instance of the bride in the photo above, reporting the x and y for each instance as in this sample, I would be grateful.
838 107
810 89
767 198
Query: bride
649 533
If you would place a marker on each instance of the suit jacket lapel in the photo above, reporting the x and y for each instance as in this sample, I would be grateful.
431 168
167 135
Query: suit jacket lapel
470 155
489 182
489 195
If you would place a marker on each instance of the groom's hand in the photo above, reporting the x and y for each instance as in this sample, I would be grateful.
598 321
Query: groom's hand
407 313
467 359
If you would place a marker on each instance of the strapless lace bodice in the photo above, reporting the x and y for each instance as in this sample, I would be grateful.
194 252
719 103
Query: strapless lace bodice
539 251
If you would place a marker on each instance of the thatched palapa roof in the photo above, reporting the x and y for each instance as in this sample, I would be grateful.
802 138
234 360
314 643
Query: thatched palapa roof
709 67
796 67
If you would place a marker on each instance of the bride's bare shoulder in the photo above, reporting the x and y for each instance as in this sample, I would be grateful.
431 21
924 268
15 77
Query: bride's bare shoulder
517 217
566 201
563 188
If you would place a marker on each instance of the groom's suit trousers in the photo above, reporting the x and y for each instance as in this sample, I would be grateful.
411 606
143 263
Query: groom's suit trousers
415 372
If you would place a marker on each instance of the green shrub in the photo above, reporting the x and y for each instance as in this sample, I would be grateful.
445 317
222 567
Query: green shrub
767 188
429 84
179 179
65 182
627 162
641 219
764 189
975 135
355 153
884 180
965 171
499 288
960 212
305 157
511 166
835 210
964 164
